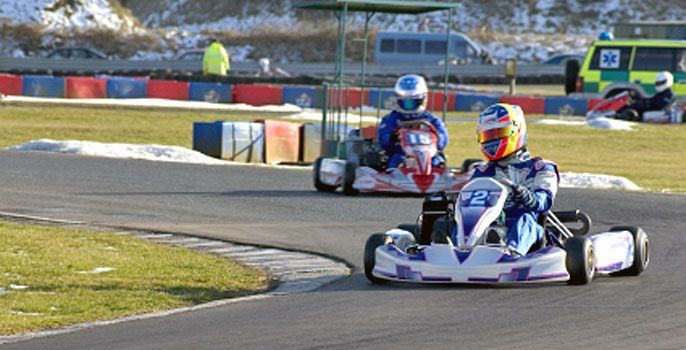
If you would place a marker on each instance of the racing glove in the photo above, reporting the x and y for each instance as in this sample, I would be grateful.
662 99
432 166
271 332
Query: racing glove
523 196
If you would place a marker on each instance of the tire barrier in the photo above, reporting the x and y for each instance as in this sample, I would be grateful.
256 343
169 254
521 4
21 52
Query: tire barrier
351 98
210 92
11 84
127 88
257 95
530 105
474 102
230 140
384 98
86 87
168 89
43 86
436 99
281 141
301 96
565 106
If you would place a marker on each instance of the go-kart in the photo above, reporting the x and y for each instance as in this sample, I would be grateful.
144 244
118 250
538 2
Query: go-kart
418 140
610 108
432 251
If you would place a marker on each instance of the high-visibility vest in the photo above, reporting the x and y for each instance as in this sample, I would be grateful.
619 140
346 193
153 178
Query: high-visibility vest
215 60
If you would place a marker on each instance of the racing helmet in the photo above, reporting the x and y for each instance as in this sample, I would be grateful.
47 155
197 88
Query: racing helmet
411 92
501 130
664 81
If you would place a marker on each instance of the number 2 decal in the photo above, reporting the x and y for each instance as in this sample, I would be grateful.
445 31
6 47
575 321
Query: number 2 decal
478 198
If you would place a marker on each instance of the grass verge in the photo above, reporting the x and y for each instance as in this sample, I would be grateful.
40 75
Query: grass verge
49 277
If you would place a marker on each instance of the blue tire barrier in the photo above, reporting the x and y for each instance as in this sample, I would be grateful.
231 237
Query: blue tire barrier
387 101
127 88
565 106
210 92
303 97
474 102
237 141
43 86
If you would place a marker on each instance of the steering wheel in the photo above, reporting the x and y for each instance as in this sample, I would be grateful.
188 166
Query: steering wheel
419 124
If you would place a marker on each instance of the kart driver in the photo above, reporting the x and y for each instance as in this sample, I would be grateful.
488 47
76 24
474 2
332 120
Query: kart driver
502 138
411 97
662 98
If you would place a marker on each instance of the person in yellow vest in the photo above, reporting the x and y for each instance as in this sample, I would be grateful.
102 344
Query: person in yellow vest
216 61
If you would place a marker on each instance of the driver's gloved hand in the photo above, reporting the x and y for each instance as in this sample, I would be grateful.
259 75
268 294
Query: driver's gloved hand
523 196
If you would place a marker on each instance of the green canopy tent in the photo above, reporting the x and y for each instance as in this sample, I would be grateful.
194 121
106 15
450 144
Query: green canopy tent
341 8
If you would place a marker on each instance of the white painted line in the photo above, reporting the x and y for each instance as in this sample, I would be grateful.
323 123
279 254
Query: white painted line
40 218
178 241
205 244
155 235
232 248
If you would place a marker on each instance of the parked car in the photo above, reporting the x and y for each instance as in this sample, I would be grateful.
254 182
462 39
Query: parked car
77 53
190 55
426 48
563 58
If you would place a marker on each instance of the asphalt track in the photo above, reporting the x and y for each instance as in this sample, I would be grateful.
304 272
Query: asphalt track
280 208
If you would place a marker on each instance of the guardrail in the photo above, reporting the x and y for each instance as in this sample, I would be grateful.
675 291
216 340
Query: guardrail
128 67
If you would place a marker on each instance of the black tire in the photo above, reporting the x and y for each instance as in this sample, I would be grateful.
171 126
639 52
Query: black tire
641 251
321 187
629 114
571 72
349 179
467 163
415 229
374 241
580 260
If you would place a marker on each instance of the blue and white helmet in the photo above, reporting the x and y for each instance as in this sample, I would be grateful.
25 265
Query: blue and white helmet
411 91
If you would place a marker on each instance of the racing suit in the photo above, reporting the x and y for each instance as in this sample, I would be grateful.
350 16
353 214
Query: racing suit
388 137
657 102
537 175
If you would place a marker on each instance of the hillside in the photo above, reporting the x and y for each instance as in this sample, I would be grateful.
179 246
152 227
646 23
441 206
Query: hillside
531 30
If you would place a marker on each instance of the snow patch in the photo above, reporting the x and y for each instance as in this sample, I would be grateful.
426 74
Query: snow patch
98 270
569 122
18 287
586 180
609 123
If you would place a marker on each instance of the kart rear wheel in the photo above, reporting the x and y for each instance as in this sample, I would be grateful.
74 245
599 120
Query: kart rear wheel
349 179
374 241
580 260
641 251
318 184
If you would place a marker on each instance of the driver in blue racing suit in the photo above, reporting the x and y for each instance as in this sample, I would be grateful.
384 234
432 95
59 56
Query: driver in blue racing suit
411 93
502 139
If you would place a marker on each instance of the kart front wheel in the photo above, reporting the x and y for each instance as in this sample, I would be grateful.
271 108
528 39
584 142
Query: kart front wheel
349 179
641 251
374 241
580 260
318 184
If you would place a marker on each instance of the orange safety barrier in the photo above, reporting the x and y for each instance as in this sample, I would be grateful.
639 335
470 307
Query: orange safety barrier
529 104
257 95
169 89
11 84
86 87
281 141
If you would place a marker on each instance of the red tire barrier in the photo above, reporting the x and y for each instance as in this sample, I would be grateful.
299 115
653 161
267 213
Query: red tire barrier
529 104
169 89
352 98
86 87
435 102
11 84
257 95
281 141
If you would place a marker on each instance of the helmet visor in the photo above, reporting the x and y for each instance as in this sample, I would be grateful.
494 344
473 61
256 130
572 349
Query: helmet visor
661 82
494 134
410 104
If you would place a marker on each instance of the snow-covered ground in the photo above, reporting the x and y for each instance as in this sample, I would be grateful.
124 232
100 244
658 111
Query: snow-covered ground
184 155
